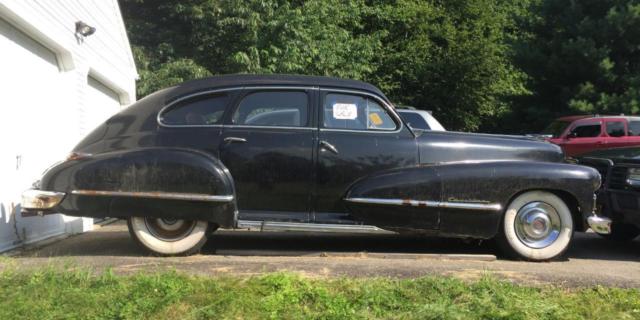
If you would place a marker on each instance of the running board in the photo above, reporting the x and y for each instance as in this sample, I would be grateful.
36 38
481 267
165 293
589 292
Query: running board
309 227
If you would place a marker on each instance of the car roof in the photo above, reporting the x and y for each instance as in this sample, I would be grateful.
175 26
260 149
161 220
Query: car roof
239 80
588 117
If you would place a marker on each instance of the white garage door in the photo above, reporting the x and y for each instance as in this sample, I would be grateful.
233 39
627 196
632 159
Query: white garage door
38 126
100 104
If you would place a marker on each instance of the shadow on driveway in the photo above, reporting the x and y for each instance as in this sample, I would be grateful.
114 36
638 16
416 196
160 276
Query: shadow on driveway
114 240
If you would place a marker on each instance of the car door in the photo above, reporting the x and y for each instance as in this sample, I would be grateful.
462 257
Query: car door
359 135
584 136
267 145
616 130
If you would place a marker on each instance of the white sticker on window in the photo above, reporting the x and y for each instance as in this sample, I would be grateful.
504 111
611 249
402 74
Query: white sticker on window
345 111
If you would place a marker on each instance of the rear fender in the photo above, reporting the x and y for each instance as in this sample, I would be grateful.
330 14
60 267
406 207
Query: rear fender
159 182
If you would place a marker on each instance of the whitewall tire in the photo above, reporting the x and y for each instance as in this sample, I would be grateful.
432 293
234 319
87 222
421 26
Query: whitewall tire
537 226
169 236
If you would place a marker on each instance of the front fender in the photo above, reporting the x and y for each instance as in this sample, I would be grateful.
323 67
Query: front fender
465 199
162 182
500 181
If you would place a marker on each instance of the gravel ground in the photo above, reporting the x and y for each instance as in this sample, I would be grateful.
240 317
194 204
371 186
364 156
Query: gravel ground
591 260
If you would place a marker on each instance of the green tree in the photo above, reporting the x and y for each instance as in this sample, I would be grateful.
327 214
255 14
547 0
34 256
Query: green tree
583 57
452 57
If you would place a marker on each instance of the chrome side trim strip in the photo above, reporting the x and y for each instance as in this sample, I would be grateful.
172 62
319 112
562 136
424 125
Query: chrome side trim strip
309 227
428 203
156 195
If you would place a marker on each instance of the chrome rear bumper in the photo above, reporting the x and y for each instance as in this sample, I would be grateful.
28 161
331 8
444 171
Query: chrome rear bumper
601 225
40 200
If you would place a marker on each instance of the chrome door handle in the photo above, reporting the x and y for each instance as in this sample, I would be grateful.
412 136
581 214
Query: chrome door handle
328 146
234 139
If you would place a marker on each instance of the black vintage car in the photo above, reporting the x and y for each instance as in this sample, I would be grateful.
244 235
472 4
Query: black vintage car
619 196
312 154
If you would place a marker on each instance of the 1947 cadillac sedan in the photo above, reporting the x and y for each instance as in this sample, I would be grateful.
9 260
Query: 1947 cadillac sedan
312 154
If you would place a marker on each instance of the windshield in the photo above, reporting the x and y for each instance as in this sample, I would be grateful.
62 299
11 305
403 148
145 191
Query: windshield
556 128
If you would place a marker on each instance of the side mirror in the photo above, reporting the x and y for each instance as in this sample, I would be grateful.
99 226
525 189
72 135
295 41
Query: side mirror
571 135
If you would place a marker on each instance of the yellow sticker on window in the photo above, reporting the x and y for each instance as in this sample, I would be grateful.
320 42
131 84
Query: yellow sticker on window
375 119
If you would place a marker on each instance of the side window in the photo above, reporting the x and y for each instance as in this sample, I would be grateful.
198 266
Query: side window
273 108
634 128
615 129
345 111
201 110
415 120
587 130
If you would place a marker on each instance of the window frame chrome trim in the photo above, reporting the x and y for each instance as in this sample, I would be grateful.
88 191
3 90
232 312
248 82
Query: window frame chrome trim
387 106
429 203
156 195
222 125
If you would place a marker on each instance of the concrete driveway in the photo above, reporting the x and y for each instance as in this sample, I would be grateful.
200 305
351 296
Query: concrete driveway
591 260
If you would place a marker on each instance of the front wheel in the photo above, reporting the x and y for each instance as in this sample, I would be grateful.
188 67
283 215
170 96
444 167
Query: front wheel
537 226
169 236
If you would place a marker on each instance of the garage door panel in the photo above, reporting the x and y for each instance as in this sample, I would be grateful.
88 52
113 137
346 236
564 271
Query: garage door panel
38 126
101 103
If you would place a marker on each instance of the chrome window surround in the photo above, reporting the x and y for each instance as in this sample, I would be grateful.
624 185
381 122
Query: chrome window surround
429 203
207 92
309 105
157 195
385 105
392 112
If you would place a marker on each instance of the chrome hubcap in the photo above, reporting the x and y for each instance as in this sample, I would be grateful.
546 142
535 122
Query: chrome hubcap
169 229
537 225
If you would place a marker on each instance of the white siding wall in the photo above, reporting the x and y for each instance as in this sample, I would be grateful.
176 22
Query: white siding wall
55 90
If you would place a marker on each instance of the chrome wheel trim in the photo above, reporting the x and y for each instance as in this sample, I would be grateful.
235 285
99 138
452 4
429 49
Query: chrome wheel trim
169 229
537 225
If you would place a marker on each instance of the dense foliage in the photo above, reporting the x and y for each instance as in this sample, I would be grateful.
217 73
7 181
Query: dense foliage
583 57
495 65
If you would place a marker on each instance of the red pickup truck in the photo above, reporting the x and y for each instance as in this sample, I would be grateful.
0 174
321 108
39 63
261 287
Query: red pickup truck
581 134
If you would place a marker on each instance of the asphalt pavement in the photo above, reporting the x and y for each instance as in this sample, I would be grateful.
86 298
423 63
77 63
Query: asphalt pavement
590 261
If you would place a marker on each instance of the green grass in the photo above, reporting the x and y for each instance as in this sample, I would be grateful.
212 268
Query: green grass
81 295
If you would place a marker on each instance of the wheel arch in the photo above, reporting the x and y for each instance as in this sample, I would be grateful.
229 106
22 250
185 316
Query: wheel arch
567 197
161 182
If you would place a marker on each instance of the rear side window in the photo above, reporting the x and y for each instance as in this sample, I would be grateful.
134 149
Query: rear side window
587 130
201 110
345 111
615 129
415 120
634 128
273 108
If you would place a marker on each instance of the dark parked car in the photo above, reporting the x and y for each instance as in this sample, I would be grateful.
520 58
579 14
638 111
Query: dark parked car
619 195
312 154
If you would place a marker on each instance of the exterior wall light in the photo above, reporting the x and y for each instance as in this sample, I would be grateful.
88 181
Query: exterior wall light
83 30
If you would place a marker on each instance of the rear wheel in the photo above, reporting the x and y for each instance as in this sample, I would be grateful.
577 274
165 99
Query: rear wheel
537 226
164 236
622 232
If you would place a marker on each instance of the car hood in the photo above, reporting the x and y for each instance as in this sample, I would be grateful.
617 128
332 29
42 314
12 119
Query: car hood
447 146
